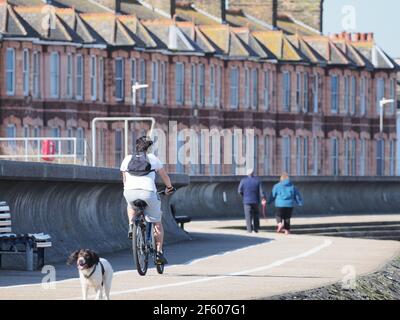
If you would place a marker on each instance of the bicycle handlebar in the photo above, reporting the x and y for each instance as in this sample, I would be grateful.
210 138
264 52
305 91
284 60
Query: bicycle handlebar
162 192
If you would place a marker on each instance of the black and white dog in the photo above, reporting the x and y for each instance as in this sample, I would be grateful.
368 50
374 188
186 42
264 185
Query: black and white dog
94 272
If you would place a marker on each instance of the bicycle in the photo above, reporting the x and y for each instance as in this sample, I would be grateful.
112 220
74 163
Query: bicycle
143 242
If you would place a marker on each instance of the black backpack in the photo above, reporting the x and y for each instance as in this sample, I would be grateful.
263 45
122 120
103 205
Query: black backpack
139 165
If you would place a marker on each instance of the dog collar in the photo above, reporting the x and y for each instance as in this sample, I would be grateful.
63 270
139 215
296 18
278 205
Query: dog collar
93 271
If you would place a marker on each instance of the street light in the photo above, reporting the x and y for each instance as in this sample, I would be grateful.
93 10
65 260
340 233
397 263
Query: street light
382 103
136 87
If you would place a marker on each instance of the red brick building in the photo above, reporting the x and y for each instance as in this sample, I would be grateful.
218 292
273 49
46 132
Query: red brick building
313 100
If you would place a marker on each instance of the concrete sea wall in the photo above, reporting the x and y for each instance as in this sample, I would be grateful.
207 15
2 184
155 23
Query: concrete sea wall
217 197
80 207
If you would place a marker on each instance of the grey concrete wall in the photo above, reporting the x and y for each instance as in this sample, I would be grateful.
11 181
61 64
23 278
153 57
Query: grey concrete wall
80 207
204 197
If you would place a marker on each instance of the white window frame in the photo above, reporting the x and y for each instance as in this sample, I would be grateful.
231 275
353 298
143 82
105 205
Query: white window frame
346 94
346 156
246 97
305 92
212 86
10 71
80 143
27 131
101 79
201 84
335 156
234 87
163 83
154 82
286 87
267 87
142 80
218 97
335 94
69 76
363 96
353 157
119 79
11 132
118 147
193 81
380 157
298 91
286 154
54 75
393 95
180 83
316 93
305 156
26 72
133 65
70 134
392 158
380 93
254 87
93 78
79 74
299 156
315 156
267 154
363 156
353 95
36 89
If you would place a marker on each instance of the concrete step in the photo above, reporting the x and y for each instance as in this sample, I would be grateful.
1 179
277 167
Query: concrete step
346 229
382 230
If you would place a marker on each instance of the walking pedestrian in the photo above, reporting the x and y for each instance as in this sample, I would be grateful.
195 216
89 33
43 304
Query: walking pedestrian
285 196
250 188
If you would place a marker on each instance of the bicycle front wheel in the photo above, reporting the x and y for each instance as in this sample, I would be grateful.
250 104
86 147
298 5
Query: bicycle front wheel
140 251
160 268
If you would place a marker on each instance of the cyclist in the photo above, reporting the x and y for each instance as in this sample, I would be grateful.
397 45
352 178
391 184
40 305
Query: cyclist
138 173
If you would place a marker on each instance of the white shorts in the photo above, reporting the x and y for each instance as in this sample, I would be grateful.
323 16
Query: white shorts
153 211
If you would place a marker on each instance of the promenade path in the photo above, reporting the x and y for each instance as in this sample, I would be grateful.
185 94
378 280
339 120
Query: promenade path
224 262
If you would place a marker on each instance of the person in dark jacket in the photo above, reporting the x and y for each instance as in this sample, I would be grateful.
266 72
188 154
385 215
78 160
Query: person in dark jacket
250 188
285 196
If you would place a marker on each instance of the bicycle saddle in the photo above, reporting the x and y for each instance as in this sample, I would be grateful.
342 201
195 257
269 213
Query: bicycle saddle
140 204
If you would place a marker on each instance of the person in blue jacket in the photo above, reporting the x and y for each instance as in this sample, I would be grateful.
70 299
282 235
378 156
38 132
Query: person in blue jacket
250 188
285 196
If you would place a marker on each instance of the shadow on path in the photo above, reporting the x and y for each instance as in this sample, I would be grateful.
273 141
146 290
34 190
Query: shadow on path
202 245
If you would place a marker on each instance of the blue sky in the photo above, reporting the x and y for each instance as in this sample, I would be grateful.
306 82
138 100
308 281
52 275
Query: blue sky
382 17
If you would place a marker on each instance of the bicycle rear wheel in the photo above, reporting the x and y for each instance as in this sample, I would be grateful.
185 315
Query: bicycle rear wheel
140 251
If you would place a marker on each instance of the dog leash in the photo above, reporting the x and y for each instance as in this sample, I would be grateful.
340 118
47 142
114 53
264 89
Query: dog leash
94 270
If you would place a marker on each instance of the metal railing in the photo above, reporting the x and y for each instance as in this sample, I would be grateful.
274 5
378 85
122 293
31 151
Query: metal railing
31 149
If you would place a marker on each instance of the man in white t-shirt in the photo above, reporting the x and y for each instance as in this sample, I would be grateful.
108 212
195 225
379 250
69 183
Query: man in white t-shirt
143 187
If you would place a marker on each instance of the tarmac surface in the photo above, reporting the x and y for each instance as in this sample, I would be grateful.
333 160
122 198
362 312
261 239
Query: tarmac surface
224 263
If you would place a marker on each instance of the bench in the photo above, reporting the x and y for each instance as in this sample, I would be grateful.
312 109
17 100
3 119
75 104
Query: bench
181 220
28 244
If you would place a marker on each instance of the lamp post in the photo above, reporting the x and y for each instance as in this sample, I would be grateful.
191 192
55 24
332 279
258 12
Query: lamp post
136 87
382 103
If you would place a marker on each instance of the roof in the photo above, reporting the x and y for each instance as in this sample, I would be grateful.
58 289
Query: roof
191 32
279 45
